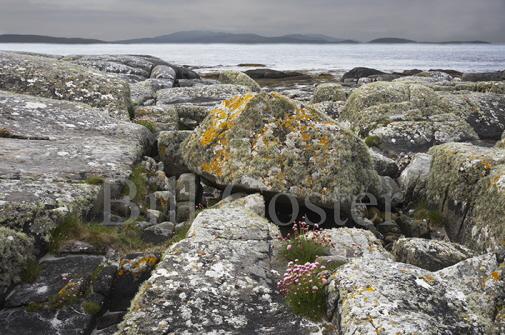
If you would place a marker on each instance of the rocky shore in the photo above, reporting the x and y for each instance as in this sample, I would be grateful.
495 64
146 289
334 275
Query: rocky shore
140 197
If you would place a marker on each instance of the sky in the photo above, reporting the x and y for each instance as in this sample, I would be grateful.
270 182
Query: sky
362 20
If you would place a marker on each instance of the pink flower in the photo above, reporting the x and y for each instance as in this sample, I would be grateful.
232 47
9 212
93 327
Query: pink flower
314 287
289 247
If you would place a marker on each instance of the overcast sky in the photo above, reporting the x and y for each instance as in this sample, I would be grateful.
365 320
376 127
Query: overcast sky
363 20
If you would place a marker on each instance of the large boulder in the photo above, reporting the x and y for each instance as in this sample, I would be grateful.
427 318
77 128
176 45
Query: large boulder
61 80
407 117
369 296
266 142
413 179
218 280
466 183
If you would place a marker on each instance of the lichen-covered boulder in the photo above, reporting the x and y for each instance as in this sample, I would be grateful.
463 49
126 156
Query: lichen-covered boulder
369 296
328 92
61 80
432 255
481 280
15 251
407 117
466 183
166 119
266 142
208 95
238 78
219 280
484 112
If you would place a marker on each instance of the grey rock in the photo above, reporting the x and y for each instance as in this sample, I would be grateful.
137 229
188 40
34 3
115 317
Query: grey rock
61 80
169 143
105 281
352 243
274 159
466 184
160 84
413 180
121 64
217 280
109 319
197 82
359 72
166 119
200 95
78 247
481 283
238 78
154 215
414 228
384 166
70 320
71 273
254 202
184 211
328 92
484 76
158 233
381 296
133 270
163 72
330 108
431 255
142 91
188 188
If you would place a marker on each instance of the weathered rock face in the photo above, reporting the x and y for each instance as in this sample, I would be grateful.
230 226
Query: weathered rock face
466 183
169 147
431 255
218 280
413 180
266 142
481 280
407 117
50 78
371 296
238 78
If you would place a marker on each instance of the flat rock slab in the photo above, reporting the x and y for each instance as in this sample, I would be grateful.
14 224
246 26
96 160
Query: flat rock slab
218 280
76 139
56 79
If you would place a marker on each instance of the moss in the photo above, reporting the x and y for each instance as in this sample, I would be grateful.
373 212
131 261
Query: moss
371 141
90 307
31 272
95 180
15 251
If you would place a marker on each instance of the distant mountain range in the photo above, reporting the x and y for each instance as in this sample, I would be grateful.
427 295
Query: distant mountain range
205 36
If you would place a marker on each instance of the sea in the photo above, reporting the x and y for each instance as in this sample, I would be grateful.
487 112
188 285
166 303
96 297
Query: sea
282 57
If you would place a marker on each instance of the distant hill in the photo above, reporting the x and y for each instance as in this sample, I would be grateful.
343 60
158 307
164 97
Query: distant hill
391 40
205 36
12 38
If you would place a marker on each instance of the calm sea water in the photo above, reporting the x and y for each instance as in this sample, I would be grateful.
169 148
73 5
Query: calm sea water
386 57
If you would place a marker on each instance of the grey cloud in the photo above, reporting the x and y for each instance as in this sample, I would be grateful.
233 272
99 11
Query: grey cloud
422 20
